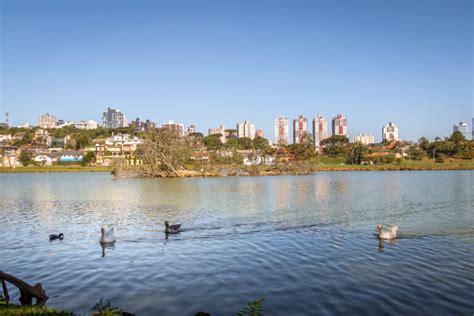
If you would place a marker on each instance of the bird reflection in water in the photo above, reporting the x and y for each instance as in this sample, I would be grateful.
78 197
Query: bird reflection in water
382 242
110 245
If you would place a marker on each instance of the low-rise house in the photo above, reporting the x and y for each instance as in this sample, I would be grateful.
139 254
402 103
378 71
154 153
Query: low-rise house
200 156
70 156
90 124
18 135
5 138
123 139
58 142
47 159
9 157
41 134
259 159
251 157
282 154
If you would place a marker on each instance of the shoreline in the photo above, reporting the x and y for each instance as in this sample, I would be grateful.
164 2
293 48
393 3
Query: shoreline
55 169
233 170
236 171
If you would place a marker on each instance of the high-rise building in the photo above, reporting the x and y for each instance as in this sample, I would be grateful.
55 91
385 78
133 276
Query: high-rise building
463 128
90 124
246 129
230 133
191 129
113 118
142 126
219 131
390 132
339 125
281 131
259 133
365 139
300 128
47 121
320 131
176 128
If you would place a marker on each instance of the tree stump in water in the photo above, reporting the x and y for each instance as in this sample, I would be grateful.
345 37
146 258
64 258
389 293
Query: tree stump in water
27 292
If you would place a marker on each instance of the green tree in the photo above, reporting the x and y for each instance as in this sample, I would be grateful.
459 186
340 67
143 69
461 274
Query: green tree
25 158
88 158
82 141
415 153
389 159
335 140
244 143
232 143
302 151
213 142
358 153
260 143
457 137
424 143
335 145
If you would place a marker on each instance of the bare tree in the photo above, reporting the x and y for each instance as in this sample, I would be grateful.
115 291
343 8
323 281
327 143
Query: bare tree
163 150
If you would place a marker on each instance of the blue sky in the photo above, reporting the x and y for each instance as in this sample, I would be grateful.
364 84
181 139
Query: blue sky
213 62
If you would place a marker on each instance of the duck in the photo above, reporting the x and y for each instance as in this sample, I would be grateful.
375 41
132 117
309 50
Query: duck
172 229
387 233
54 237
107 236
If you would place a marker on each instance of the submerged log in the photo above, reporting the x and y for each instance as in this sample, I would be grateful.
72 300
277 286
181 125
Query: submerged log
27 292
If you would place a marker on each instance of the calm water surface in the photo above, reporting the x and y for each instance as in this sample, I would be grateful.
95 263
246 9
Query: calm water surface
305 243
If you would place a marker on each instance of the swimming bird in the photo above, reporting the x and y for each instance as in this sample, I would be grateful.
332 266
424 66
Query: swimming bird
387 233
54 237
172 229
107 236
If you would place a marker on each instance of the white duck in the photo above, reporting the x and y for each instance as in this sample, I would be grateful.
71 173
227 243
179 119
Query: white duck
387 233
107 236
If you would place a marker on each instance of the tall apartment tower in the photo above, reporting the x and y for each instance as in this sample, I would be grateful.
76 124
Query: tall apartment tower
300 128
463 128
320 131
191 129
390 132
339 125
174 127
219 131
47 121
281 131
365 139
113 118
246 129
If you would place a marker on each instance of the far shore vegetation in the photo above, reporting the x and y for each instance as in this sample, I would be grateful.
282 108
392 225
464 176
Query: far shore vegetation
165 154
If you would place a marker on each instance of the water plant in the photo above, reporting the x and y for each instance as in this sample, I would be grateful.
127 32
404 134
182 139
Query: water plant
254 308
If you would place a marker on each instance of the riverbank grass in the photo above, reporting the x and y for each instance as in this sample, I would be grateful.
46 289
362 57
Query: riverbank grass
56 168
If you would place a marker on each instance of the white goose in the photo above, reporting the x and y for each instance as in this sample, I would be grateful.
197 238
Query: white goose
387 233
107 236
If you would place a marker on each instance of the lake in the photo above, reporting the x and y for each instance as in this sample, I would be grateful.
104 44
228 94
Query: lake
305 243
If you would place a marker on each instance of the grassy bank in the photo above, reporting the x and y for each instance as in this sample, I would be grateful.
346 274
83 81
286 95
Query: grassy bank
294 168
215 170
58 168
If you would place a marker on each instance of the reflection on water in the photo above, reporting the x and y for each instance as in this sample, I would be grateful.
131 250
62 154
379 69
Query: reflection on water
104 246
382 243
306 243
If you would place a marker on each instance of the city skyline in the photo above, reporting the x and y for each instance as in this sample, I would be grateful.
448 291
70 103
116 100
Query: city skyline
290 132
217 63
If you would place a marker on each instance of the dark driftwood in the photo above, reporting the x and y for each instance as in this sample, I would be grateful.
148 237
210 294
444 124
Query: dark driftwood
27 292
